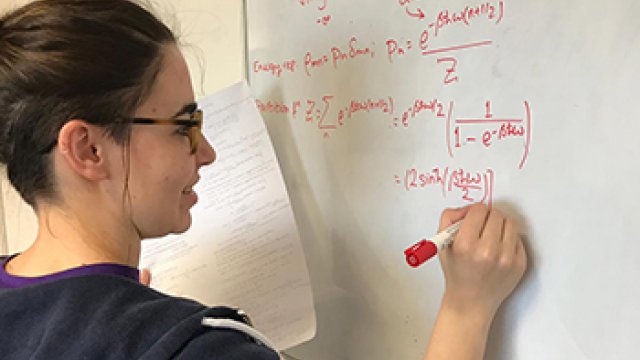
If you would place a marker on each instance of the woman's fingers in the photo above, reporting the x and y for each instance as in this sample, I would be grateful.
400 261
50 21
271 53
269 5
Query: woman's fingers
145 277
510 237
472 227
486 261
452 216
494 227
521 254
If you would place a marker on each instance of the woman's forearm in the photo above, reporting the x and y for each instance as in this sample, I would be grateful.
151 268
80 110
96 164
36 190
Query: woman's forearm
458 335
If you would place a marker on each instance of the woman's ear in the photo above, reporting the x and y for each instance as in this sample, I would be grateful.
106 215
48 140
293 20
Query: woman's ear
83 147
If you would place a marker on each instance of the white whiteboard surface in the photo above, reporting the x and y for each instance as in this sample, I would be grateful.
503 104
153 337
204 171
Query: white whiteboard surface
536 103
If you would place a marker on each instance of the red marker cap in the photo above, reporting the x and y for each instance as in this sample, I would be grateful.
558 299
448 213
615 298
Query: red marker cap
420 252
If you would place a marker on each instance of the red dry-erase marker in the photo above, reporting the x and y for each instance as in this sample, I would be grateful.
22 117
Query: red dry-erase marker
424 249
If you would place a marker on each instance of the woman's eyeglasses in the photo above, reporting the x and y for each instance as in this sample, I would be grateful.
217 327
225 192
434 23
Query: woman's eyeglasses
192 126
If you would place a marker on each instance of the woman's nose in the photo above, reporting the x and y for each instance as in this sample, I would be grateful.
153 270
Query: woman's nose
205 153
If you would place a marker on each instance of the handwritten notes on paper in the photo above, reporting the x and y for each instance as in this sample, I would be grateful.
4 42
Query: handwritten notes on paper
243 248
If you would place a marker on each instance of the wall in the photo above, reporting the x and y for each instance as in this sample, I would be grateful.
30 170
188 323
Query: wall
3 244
18 219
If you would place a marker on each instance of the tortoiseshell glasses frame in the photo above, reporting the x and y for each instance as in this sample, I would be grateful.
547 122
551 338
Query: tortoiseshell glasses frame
193 126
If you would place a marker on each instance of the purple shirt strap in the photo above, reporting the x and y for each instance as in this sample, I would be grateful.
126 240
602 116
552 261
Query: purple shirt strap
12 281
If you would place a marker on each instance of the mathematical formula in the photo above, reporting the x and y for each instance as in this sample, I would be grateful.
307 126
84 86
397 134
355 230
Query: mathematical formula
470 186
492 10
319 5
485 130
443 17
355 50
488 129
465 126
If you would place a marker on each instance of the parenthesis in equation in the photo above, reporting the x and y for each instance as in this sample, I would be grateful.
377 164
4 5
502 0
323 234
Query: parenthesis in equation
465 17
448 129
527 143
488 186
407 174
324 6
450 182
444 181
501 12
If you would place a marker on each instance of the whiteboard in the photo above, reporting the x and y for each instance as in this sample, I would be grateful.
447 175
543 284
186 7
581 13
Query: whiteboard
383 113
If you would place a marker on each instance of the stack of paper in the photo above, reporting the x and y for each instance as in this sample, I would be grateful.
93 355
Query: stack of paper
243 249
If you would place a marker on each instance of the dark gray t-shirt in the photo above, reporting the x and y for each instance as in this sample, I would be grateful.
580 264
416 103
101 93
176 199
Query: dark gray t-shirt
108 315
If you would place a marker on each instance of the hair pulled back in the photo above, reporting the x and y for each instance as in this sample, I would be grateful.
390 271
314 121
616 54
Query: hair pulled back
94 60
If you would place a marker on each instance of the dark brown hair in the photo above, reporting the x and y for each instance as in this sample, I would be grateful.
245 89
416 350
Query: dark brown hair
94 60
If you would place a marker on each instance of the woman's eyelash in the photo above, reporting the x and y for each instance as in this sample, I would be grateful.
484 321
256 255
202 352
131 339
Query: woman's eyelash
183 129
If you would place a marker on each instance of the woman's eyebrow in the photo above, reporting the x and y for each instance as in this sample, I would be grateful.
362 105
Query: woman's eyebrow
189 108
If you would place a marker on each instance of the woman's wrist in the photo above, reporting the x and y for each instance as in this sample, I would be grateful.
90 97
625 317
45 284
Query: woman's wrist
459 322
470 310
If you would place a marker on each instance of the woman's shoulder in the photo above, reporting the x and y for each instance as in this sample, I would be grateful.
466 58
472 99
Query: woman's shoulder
225 344
120 318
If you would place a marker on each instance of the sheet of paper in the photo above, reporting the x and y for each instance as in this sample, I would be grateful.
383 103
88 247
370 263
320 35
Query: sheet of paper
243 248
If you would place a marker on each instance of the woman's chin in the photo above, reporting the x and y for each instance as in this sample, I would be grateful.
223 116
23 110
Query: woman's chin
184 224
180 225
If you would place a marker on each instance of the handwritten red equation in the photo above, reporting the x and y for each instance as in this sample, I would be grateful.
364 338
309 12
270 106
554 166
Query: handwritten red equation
445 18
324 113
470 186
460 132
355 49
321 7
488 129
484 130
493 10
442 36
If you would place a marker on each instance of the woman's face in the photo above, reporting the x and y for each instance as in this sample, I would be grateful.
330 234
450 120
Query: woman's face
162 170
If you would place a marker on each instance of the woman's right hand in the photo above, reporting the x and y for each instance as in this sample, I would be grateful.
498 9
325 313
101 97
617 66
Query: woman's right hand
485 261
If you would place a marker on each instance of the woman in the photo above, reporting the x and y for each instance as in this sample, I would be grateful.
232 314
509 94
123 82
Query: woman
101 136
